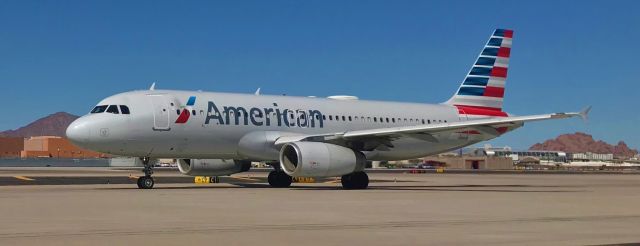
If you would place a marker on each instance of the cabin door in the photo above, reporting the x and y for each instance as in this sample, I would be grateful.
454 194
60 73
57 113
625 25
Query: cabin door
160 112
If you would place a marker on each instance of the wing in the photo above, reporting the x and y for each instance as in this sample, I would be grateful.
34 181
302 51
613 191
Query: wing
381 138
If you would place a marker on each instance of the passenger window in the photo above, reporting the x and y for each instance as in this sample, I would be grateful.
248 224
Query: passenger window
423 121
387 120
324 117
193 112
124 109
375 119
393 120
178 111
113 109
99 109
337 118
349 118
330 117
343 118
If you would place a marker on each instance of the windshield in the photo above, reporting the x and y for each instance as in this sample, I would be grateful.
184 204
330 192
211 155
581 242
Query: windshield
113 109
99 109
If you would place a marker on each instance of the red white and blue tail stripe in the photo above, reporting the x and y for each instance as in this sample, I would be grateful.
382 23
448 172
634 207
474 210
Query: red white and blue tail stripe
482 91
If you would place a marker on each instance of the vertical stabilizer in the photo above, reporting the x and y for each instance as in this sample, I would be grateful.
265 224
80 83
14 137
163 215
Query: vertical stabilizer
482 91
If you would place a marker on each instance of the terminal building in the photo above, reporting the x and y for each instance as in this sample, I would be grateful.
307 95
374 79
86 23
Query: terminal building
525 156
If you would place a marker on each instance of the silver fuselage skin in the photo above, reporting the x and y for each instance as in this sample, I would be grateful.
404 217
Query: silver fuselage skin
150 130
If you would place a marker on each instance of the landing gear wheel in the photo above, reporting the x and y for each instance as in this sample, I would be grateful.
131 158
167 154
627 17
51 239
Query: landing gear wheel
145 182
279 179
355 181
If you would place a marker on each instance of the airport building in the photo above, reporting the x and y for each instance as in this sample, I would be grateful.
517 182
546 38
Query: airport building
524 156
55 147
11 147
588 156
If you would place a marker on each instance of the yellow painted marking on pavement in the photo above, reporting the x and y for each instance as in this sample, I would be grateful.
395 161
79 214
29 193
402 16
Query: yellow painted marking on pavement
133 177
243 178
332 181
24 178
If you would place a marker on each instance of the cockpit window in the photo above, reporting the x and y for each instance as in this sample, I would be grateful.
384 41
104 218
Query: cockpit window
124 109
113 109
99 109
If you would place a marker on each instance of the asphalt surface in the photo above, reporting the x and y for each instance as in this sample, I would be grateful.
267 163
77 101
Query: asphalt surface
398 209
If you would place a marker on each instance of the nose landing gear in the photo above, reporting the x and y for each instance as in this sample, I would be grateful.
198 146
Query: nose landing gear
146 182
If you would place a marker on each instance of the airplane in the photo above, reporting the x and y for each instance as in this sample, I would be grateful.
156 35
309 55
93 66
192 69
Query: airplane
217 134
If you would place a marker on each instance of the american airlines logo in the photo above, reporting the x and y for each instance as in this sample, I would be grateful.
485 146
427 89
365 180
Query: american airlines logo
186 111
275 116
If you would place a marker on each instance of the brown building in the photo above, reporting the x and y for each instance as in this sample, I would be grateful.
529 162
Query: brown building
11 147
55 147
474 162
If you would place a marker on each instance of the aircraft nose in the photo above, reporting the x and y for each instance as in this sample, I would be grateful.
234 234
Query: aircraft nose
78 131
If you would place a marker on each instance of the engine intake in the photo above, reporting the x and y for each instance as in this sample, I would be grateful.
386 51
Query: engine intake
212 167
314 159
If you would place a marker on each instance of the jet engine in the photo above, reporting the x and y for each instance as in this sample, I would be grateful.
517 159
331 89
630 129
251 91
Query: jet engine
314 159
212 167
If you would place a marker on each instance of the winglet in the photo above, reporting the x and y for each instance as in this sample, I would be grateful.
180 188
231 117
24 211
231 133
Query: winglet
257 93
153 86
584 114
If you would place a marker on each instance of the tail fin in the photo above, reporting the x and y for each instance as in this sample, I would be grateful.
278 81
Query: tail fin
482 90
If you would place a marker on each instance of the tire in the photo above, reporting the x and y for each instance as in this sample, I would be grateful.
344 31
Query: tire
145 182
279 179
355 181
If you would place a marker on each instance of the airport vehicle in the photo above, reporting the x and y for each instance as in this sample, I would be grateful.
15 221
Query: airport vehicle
214 134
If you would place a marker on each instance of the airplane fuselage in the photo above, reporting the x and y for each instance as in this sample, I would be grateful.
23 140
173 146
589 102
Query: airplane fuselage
186 124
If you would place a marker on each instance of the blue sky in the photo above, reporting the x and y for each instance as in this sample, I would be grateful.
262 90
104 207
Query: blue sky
67 55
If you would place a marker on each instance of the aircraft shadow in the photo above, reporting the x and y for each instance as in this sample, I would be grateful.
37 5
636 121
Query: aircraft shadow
443 188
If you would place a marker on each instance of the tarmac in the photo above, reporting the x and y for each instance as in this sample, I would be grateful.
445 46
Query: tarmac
97 206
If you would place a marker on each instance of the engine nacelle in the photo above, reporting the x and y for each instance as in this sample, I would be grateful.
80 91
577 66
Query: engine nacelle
212 167
314 159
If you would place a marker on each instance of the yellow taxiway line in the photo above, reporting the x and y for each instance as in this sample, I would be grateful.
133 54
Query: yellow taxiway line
243 178
24 178
332 181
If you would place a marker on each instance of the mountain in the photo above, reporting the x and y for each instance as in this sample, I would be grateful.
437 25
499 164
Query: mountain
581 142
52 125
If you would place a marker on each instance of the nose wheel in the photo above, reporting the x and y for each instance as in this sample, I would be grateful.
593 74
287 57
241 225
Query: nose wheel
146 182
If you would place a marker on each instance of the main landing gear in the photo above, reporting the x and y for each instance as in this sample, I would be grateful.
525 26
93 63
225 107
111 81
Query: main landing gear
146 182
355 181
279 179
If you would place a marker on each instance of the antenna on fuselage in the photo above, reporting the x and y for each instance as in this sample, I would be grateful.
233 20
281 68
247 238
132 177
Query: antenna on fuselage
153 86
257 93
